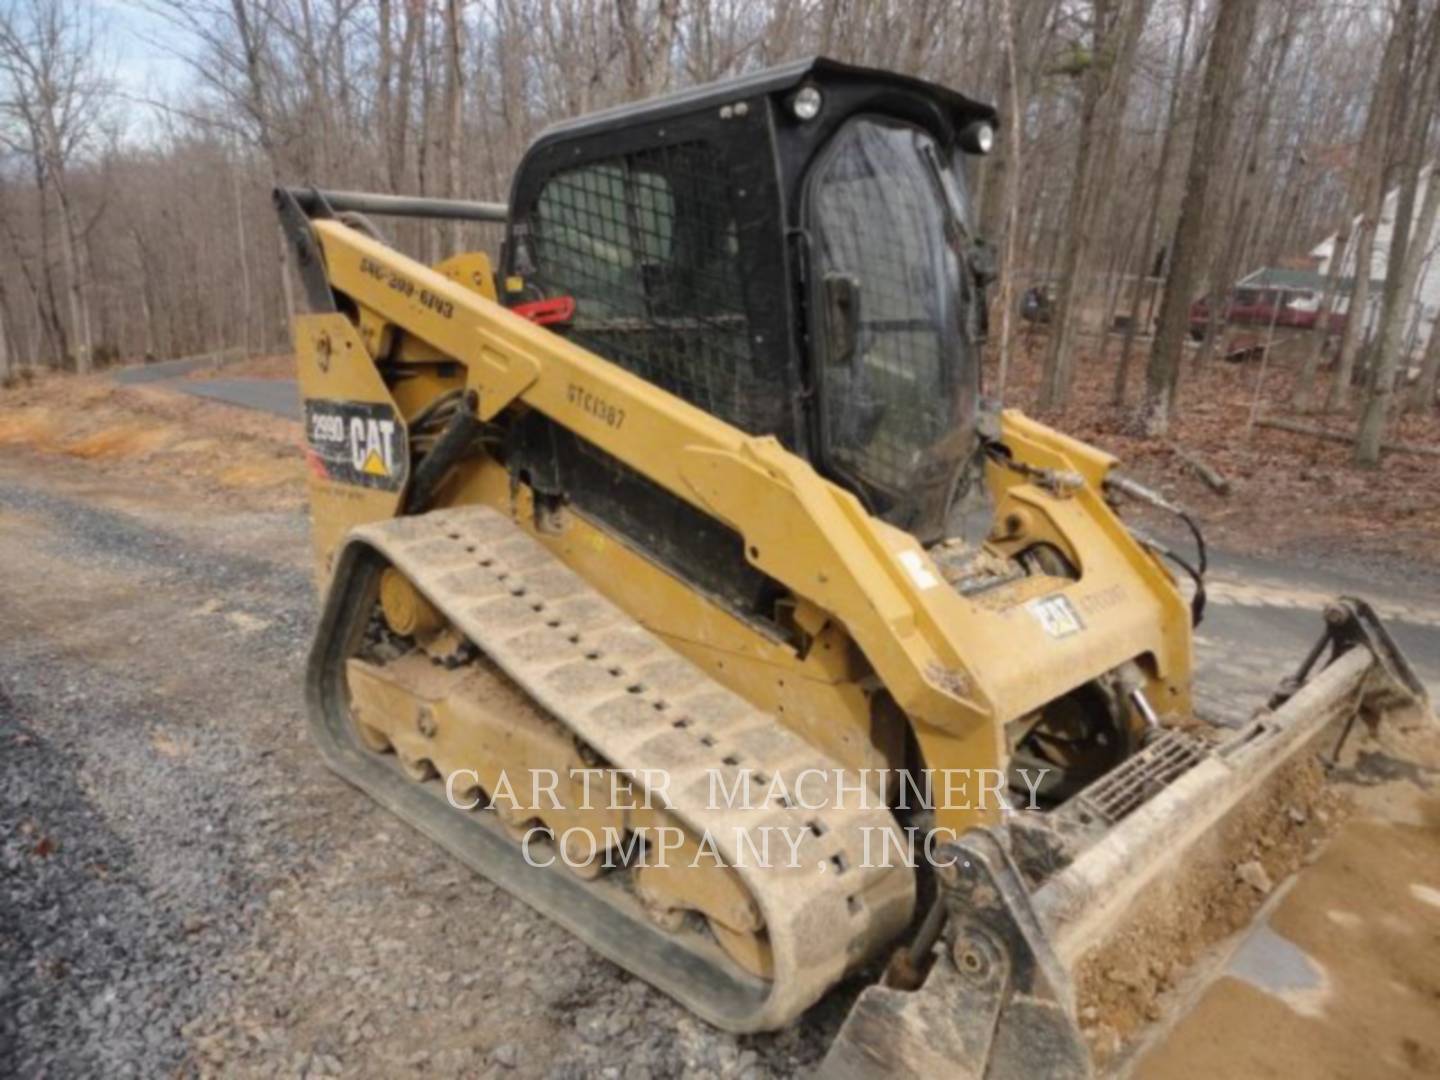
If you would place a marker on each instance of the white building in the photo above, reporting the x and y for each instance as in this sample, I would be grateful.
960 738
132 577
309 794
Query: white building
1425 309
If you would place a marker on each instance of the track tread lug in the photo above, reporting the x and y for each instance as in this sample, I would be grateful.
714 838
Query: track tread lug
490 577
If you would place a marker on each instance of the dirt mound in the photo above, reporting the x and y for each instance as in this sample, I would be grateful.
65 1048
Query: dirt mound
151 430
1183 915
121 441
35 426
1365 918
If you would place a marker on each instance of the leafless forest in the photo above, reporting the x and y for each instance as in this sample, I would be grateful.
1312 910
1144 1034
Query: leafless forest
1152 150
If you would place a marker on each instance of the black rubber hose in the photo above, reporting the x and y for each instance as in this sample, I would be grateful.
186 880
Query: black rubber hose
449 448
1200 553
1197 602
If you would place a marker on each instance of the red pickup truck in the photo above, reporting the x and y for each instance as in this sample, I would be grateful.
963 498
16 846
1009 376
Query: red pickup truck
1256 307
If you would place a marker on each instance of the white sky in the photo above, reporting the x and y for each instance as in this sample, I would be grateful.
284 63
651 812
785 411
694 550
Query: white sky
140 47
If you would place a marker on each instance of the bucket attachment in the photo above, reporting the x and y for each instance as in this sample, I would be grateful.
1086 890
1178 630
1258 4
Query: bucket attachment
1024 906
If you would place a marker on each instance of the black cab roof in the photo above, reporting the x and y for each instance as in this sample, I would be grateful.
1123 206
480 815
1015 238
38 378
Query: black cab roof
818 69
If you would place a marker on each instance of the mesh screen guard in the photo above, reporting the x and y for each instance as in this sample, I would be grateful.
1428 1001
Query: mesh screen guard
650 246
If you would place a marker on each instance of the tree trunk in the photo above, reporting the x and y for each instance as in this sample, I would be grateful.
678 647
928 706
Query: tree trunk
1376 152
1357 313
1106 94
46 301
74 286
1422 395
1055 376
145 289
454 96
243 338
1240 228
384 74
1409 238
257 97
1024 26
1305 382
1115 282
4 348
1152 213
633 36
1009 195
1399 294
658 74
1318 432
398 135
1224 69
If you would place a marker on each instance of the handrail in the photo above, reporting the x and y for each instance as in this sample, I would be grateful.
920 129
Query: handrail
317 201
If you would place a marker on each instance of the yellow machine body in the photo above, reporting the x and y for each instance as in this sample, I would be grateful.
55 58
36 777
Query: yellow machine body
876 608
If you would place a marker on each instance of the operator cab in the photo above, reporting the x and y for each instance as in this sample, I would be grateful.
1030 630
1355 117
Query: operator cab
793 252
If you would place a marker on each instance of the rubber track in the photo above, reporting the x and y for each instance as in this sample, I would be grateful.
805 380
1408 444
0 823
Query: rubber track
642 706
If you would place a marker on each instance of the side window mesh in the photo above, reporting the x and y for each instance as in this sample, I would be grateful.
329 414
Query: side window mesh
647 244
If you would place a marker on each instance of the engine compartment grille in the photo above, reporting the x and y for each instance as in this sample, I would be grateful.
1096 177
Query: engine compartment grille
1125 788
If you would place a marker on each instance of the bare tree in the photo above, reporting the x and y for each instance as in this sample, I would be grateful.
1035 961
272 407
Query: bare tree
1116 26
647 44
1422 396
1008 187
1229 46
1407 247
165 241
1249 176
1152 213
5 373
454 98
1387 100
54 90
1303 396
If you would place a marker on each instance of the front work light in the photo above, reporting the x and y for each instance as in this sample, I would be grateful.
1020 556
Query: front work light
978 137
806 103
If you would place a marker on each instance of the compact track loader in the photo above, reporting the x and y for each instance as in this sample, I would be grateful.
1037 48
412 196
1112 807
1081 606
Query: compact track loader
677 579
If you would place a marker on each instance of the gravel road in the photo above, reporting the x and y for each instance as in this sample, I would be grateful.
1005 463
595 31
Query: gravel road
187 891
279 397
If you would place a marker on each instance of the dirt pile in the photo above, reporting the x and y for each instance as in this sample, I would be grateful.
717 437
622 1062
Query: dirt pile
151 430
1366 920
1127 983
1337 976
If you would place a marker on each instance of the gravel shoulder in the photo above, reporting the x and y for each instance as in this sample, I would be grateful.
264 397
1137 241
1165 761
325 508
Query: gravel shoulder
188 890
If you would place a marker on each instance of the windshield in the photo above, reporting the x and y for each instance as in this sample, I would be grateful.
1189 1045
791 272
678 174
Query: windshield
897 348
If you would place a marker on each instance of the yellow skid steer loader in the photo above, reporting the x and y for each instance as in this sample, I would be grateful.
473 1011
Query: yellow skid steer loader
677 579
